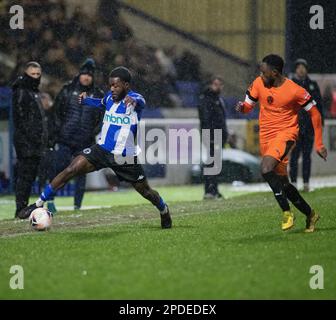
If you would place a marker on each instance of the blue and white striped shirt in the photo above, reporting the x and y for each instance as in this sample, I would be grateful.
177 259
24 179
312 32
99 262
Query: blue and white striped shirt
120 124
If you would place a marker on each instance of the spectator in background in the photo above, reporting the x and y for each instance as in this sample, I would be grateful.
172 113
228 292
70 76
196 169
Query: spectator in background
212 116
169 76
188 67
77 125
4 182
74 51
329 101
305 142
54 62
31 132
5 97
109 13
47 39
166 63
45 171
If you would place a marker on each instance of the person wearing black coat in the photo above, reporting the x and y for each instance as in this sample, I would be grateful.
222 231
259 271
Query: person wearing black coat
76 125
32 133
305 141
212 116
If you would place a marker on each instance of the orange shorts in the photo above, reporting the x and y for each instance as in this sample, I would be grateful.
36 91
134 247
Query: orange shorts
278 148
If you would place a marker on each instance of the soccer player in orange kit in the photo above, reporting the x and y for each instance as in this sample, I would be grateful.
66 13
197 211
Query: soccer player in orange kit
280 100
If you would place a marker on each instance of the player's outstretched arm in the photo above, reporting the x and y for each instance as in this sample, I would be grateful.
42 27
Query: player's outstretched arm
251 98
317 124
243 107
135 100
88 101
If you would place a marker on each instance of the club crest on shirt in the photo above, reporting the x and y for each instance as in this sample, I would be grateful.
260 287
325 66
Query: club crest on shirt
270 99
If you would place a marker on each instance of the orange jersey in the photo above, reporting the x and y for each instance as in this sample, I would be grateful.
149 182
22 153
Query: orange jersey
279 107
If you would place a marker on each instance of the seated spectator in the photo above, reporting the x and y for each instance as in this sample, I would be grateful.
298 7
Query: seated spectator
74 52
188 67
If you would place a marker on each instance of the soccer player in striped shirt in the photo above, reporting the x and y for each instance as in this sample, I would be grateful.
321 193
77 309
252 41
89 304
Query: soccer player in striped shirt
116 149
280 100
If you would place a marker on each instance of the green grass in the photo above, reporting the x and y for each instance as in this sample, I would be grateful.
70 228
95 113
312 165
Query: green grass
123 197
227 249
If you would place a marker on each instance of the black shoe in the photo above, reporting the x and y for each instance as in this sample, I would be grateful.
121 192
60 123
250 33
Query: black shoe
26 212
166 220
212 196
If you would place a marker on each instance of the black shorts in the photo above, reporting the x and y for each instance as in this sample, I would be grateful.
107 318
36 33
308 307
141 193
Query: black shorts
126 169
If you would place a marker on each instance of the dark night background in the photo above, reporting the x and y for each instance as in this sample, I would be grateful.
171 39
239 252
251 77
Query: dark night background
318 47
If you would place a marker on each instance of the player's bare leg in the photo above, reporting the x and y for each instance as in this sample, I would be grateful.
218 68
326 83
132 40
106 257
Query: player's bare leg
153 196
80 165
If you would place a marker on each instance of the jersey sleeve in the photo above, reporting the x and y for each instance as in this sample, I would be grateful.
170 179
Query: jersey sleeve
317 125
252 93
304 99
106 97
140 101
96 102
252 96
93 102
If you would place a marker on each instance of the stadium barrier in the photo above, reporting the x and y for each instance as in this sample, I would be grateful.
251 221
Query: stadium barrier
164 174
247 139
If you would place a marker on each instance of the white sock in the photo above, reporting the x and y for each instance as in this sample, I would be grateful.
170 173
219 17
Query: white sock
39 202
165 210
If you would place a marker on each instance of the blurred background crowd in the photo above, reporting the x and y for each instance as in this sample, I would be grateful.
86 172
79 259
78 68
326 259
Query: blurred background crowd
61 42
61 39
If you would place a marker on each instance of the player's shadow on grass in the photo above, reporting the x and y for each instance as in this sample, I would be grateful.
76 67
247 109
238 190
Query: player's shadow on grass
317 230
276 237
110 234
266 238
158 228
326 229
106 235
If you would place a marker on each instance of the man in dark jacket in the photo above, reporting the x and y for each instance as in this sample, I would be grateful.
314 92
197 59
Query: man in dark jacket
31 131
77 125
306 135
212 116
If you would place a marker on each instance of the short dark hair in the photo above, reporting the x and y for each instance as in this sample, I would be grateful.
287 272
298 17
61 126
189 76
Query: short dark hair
209 80
121 72
32 64
274 61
